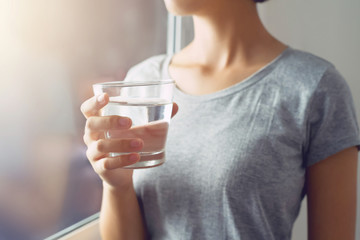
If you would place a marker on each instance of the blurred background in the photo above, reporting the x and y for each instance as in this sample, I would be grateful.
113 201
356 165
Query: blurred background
51 52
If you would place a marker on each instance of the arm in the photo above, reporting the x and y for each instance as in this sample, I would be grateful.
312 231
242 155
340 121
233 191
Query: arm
331 190
120 213
121 216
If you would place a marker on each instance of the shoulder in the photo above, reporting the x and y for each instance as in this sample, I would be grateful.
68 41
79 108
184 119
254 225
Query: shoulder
303 60
304 66
304 73
150 68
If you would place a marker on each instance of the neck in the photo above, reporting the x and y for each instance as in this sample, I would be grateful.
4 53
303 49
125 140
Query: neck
219 41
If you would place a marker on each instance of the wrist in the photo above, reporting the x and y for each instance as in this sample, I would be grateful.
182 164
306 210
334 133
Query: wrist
118 189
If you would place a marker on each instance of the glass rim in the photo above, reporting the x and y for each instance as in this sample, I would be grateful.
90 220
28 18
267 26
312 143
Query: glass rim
133 83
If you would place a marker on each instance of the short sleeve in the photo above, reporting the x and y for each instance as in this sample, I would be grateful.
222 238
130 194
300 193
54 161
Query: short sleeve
331 120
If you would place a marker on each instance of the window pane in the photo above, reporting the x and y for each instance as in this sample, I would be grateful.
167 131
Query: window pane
51 54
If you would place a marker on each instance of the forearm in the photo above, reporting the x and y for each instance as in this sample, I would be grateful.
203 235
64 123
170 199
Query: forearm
121 217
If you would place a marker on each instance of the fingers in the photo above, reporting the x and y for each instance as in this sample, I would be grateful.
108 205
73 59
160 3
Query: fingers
92 106
101 148
96 126
105 123
98 153
111 163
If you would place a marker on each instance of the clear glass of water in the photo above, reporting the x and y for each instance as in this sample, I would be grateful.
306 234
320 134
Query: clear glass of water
149 105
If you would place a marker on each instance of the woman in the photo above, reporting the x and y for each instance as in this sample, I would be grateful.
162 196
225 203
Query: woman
259 126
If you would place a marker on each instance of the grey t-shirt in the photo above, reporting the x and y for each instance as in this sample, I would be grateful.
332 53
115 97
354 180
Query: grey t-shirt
236 158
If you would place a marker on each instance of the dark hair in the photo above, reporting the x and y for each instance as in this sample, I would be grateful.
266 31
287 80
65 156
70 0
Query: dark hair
259 1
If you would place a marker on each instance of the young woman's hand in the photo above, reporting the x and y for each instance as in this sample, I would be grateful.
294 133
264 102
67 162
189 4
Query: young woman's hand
110 169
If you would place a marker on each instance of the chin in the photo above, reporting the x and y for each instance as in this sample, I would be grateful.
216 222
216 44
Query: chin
184 7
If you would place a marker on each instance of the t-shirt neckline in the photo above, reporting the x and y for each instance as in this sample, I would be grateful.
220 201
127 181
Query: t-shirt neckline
250 80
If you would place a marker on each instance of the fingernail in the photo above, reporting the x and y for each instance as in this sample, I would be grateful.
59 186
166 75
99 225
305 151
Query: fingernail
133 157
101 98
124 121
135 143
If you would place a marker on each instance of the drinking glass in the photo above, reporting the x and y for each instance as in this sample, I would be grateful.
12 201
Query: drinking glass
149 105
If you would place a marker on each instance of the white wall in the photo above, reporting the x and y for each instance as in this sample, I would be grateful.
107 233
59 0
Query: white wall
327 28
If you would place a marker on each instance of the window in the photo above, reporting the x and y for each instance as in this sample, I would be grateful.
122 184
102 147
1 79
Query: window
51 54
